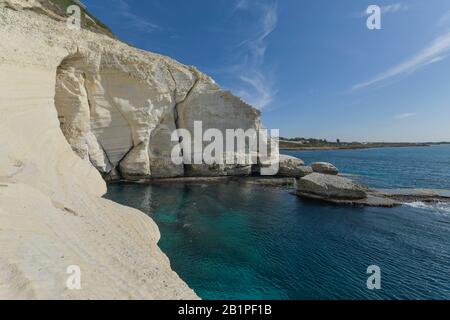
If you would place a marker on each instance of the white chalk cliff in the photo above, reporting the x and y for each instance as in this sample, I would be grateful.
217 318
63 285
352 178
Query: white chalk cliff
76 105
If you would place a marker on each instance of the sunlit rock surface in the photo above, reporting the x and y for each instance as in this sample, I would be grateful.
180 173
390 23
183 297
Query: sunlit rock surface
74 104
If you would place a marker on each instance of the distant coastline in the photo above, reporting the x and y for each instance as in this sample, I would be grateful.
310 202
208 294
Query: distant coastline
314 145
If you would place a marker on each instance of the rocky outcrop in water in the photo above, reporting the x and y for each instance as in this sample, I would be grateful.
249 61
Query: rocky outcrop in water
415 195
293 167
325 168
342 191
331 187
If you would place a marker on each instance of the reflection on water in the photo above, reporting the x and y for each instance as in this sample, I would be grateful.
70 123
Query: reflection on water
232 241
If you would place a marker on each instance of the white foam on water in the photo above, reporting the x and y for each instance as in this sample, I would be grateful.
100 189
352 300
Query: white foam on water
417 204
440 207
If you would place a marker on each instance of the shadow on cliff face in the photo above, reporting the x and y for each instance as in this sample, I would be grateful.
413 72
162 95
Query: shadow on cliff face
121 124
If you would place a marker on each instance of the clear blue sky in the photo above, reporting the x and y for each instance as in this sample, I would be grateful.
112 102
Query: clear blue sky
312 66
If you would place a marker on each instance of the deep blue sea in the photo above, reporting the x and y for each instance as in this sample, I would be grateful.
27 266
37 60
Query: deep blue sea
235 241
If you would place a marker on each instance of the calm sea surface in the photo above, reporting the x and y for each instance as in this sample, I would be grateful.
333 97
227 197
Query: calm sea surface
232 241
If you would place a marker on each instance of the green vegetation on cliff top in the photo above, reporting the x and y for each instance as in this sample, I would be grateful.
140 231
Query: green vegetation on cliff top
88 20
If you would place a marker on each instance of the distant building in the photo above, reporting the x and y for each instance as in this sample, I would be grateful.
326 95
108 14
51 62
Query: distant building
78 2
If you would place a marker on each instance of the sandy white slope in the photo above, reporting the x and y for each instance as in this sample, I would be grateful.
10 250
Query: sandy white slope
51 211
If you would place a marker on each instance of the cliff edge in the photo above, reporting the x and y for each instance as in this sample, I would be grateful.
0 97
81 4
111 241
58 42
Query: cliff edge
52 215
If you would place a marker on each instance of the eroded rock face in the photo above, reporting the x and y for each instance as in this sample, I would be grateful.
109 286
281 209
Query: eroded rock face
330 187
72 104
325 168
216 109
121 112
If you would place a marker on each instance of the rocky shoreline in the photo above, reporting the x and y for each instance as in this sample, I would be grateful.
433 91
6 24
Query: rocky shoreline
79 108
296 146
322 182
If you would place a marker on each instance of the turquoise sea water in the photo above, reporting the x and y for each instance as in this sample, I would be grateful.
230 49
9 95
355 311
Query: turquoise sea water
234 241
416 167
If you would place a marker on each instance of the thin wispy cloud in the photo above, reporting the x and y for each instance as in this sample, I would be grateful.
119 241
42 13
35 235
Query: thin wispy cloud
257 46
135 21
406 115
262 94
242 4
434 52
437 59
257 85
391 8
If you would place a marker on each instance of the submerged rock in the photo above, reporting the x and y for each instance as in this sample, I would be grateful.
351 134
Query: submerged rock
370 201
325 168
328 186
414 195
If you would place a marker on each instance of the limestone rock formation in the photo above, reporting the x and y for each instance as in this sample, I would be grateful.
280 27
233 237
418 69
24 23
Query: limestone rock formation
216 109
293 167
119 106
62 91
330 187
342 191
325 168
